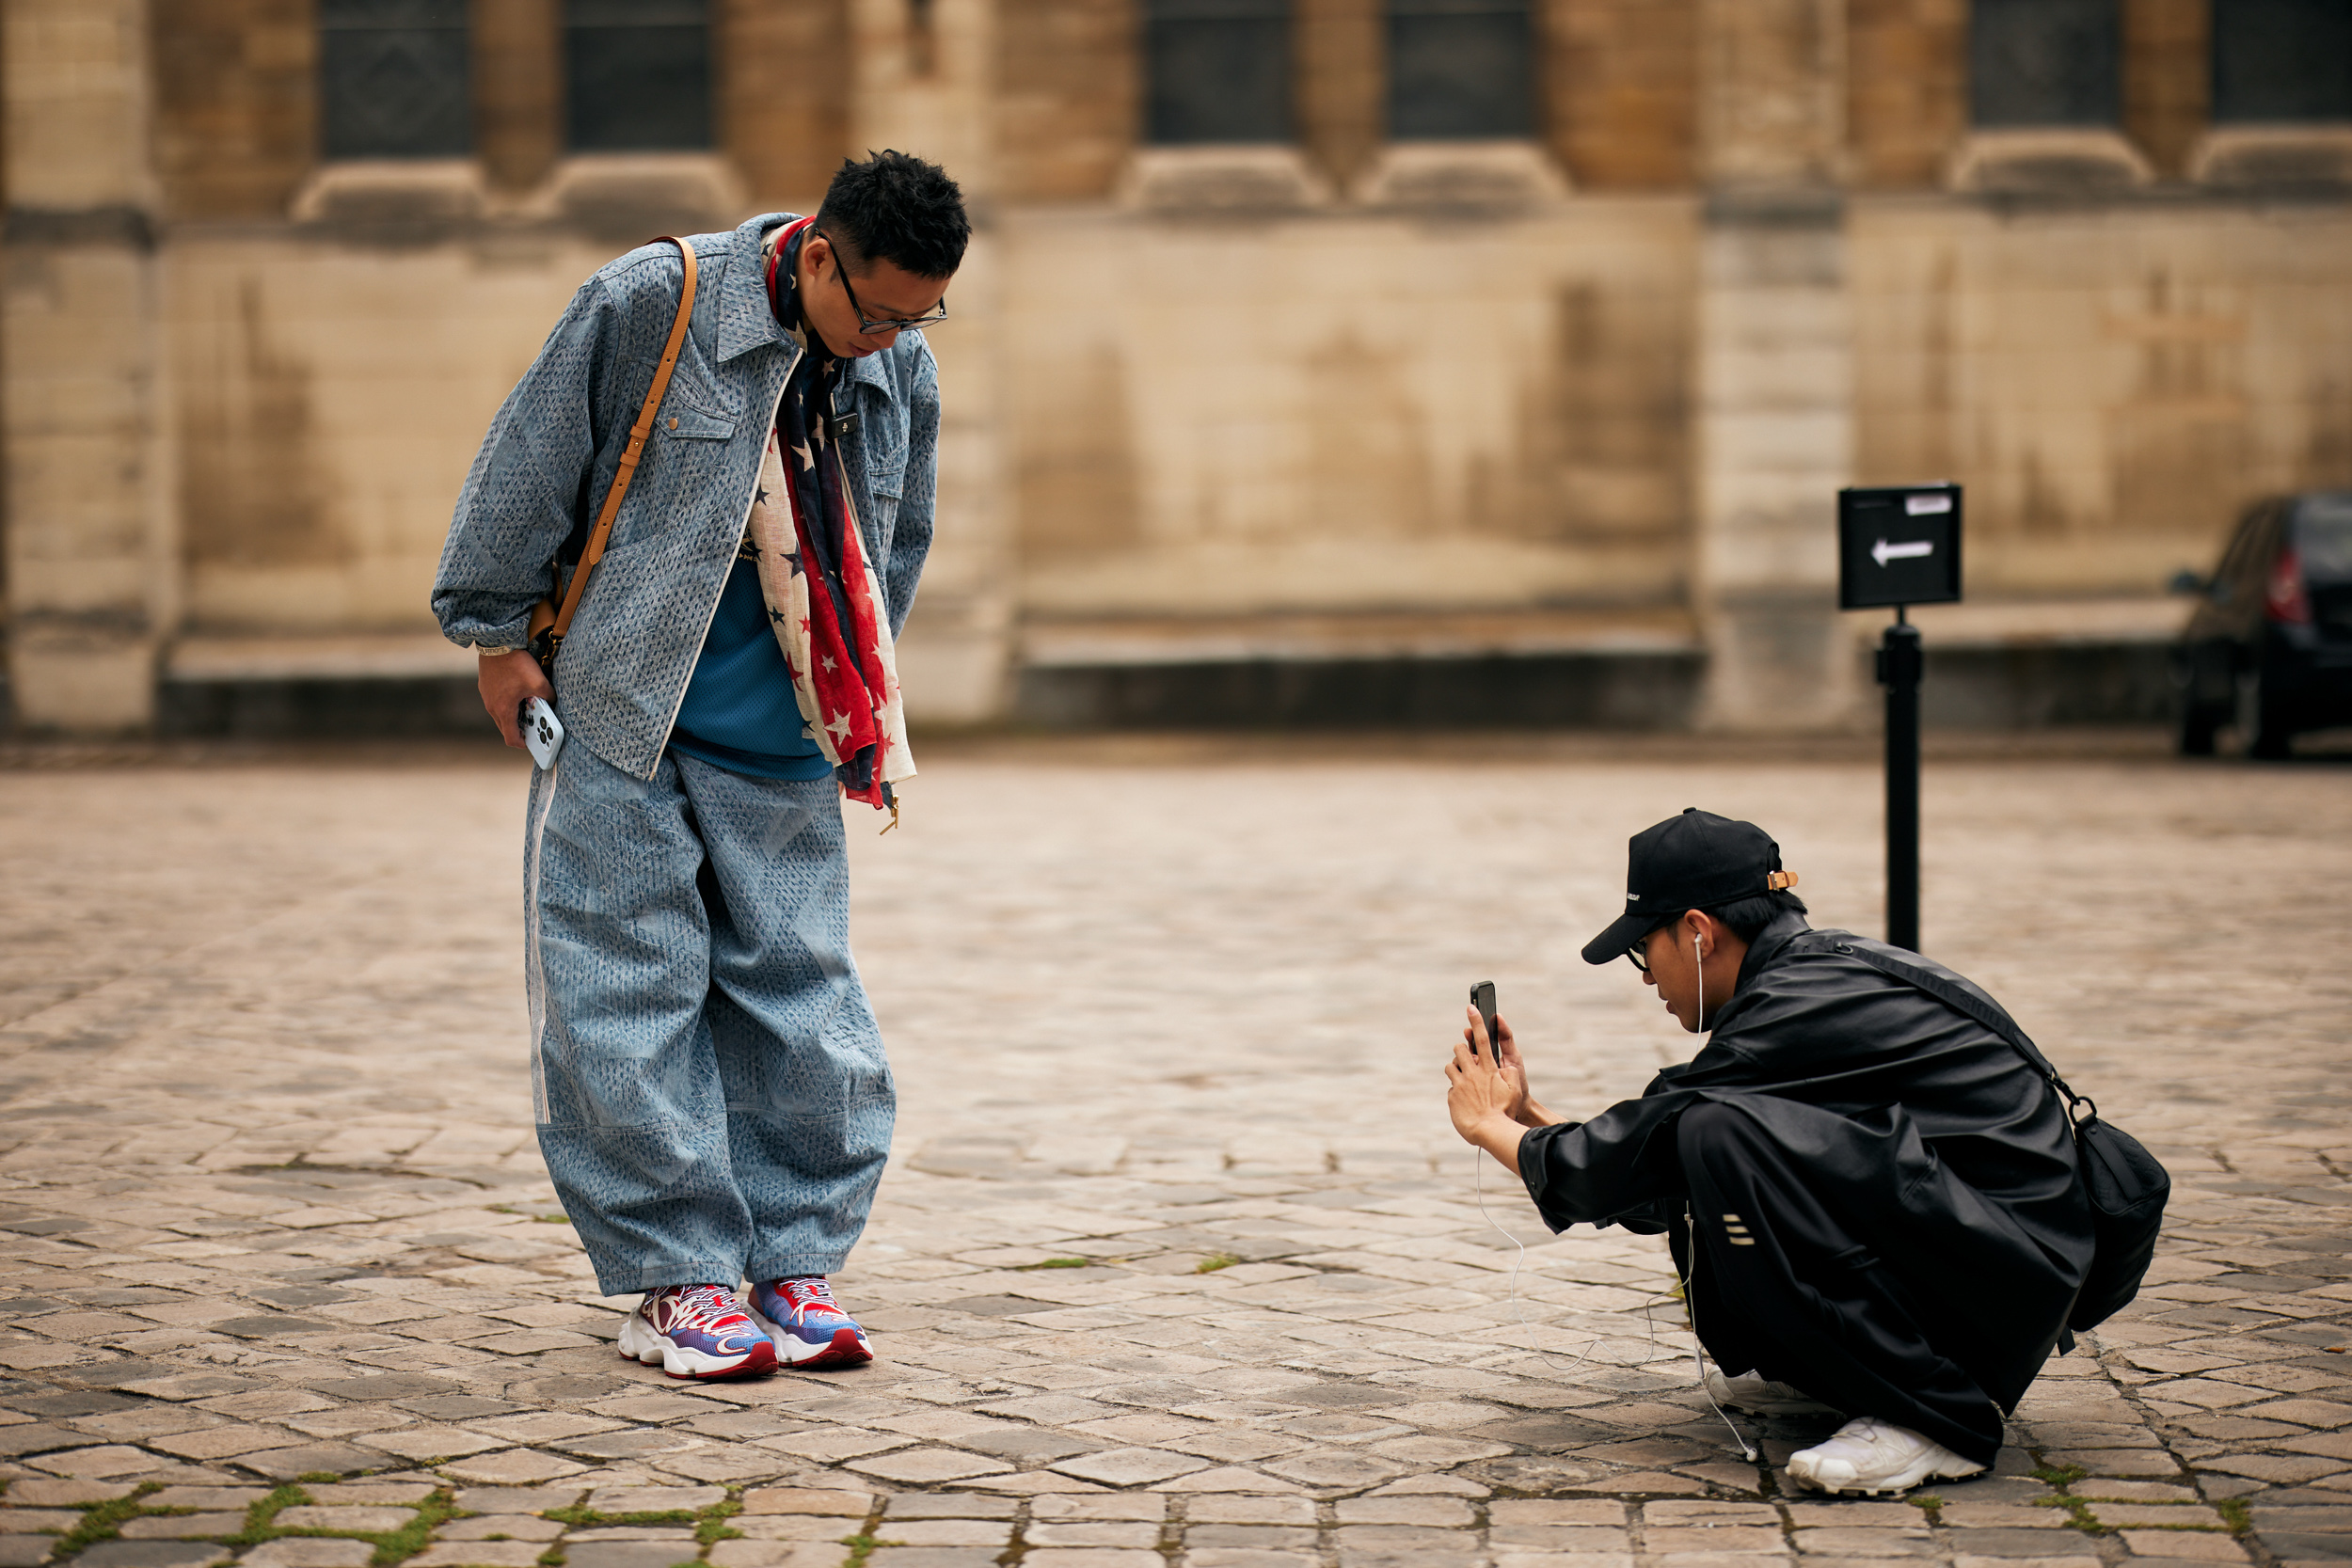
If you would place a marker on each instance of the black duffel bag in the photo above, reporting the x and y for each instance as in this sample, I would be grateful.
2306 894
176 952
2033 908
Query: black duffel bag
2126 1185
2127 1189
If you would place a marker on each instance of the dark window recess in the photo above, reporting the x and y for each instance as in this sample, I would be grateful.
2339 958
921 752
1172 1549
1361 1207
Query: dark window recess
636 74
1460 69
2282 59
2044 62
1218 71
392 79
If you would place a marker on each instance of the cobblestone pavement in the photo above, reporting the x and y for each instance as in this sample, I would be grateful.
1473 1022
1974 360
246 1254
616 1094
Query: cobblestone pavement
1178 1262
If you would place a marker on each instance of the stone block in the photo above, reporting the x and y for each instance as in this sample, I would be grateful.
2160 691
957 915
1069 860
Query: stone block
180 1527
925 1466
1863 1541
1999 1542
478 1554
654 1499
30 1521
2190 1545
315 1552
368 1493
1443 1512
43 1491
629 1554
1132 1466
945 1532
807 1500
1136 1533
948 1505
499 1526
1717 1538
510 1467
778 1554
520 1499
1140 1506
153 1553
356 1521
1237 1509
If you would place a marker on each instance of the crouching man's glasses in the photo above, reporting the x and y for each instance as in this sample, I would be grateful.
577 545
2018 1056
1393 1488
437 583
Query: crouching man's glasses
1639 953
887 324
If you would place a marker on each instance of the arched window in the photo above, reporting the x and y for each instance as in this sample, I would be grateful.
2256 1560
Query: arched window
1216 70
2044 62
392 79
2281 60
636 74
1460 69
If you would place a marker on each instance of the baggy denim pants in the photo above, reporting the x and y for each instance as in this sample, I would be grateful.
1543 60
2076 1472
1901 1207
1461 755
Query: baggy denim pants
712 1098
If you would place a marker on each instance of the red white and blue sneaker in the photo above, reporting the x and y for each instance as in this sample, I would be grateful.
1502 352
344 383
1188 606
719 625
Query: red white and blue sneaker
697 1331
808 1326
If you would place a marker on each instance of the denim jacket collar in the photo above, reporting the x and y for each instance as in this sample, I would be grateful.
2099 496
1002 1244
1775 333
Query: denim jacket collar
746 321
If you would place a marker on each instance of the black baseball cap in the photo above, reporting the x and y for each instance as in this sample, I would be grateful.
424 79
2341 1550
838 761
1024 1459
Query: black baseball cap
1688 863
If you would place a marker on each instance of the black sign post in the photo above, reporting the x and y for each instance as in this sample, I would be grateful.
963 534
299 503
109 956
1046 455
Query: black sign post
1899 546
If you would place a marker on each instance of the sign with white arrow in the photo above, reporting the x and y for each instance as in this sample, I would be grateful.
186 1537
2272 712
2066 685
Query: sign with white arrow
1898 545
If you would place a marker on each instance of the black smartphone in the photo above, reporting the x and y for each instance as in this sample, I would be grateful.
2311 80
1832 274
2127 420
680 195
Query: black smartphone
1482 998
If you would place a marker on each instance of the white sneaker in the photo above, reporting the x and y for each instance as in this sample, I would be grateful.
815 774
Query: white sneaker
1758 1396
1871 1456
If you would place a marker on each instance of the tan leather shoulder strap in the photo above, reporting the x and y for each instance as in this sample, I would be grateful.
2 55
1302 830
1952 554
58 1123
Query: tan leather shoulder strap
637 434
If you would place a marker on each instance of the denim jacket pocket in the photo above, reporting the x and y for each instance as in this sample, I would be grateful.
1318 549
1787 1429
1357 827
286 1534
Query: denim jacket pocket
683 421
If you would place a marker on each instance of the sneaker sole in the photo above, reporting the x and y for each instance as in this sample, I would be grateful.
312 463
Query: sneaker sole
1919 1473
1779 1408
846 1348
640 1343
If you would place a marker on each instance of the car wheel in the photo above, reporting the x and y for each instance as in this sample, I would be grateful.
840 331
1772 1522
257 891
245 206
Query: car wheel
2261 719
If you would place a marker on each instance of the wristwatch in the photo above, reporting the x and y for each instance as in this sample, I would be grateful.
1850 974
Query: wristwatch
488 652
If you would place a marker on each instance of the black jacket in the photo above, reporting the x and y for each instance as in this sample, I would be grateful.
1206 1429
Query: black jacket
1930 1133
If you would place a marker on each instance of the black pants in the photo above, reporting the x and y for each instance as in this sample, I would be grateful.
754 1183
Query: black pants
1784 1286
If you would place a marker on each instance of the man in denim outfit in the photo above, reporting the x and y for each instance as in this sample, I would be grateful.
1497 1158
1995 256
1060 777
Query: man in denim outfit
711 1094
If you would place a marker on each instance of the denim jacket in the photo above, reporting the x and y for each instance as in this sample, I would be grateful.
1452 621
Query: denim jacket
534 489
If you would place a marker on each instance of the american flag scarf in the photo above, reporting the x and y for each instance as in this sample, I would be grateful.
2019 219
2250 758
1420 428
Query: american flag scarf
835 635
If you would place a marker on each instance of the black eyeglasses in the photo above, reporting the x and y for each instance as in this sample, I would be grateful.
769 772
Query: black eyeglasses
1638 953
888 324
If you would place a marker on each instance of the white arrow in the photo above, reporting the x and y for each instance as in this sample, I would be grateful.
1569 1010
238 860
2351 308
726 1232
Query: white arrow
1884 553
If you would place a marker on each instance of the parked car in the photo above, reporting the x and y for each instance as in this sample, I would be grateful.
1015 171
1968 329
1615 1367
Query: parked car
2269 648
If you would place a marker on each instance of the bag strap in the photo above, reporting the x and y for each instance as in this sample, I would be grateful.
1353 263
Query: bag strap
560 621
1962 999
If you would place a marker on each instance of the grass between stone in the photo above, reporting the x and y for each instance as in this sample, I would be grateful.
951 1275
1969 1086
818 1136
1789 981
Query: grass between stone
103 1521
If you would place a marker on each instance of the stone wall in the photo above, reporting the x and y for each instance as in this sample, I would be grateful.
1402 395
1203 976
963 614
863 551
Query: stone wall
1347 400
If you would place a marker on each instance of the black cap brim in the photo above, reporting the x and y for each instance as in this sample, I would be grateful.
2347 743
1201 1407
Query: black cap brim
1622 934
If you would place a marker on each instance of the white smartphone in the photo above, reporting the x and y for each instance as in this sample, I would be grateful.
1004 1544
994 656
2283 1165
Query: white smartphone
543 732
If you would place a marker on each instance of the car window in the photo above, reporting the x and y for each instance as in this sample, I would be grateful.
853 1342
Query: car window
2323 537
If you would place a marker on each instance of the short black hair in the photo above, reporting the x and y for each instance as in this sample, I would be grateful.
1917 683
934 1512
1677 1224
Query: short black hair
894 207
1745 918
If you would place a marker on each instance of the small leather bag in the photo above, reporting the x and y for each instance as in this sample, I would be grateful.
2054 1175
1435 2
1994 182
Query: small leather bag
2126 1185
549 623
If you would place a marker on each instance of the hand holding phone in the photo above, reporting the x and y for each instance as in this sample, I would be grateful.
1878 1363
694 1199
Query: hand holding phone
543 732
1482 998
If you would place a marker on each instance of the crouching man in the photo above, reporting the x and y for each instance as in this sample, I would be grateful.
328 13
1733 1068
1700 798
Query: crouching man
1871 1196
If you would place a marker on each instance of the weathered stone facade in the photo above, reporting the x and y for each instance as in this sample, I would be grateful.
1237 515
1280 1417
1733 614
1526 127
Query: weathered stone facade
1584 392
